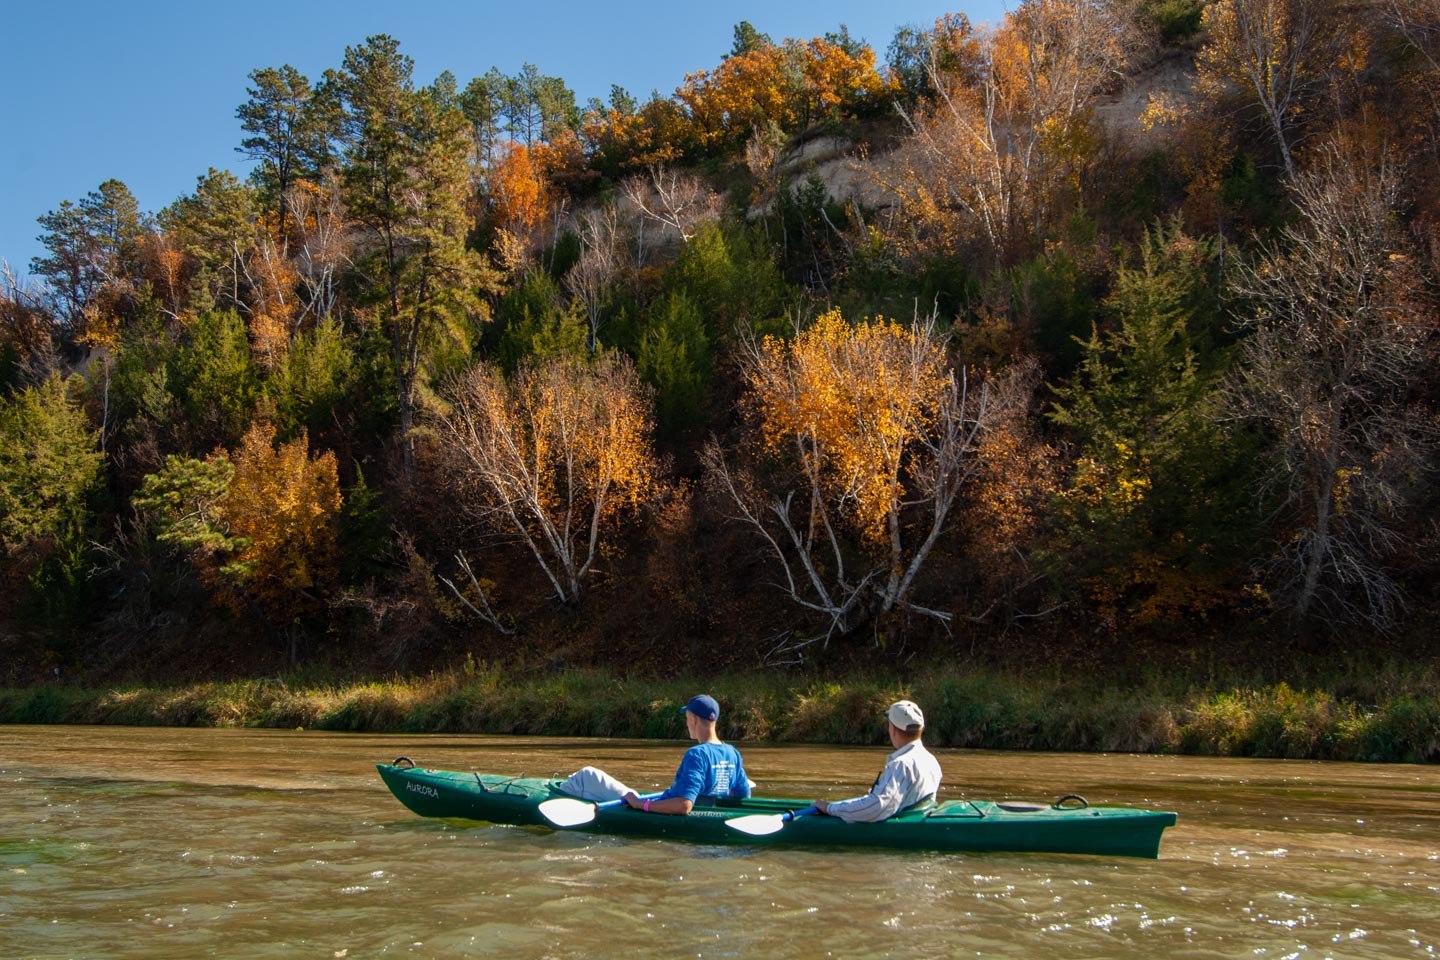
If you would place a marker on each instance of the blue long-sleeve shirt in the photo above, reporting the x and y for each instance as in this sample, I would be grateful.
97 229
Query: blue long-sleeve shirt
709 770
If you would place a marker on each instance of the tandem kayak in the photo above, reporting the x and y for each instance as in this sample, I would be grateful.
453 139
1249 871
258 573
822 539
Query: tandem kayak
954 825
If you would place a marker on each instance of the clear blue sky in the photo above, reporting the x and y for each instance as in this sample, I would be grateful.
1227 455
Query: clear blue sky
146 92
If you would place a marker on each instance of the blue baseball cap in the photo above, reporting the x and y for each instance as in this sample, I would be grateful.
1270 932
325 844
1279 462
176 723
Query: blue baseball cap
704 707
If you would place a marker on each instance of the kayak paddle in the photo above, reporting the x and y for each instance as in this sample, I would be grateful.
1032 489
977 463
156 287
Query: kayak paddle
764 824
565 812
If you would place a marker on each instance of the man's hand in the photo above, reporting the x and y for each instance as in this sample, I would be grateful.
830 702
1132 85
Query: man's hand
821 805
632 800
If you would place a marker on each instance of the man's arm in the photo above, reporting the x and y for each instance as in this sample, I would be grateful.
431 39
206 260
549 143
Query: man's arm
668 805
679 798
882 802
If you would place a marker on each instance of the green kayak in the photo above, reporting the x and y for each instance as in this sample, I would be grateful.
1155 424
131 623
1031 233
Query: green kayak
956 825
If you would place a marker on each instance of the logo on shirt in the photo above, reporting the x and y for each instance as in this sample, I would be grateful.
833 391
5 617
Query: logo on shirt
724 773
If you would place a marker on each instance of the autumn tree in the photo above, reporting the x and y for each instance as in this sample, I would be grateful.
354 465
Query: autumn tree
284 505
873 435
261 525
1007 133
552 456
1280 54
274 304
833 77
521 200
1337 333
746 91
620 141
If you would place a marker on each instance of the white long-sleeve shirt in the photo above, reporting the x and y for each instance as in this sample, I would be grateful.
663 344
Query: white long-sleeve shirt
911 774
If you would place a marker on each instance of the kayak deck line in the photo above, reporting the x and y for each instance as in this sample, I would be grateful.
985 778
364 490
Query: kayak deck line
961 825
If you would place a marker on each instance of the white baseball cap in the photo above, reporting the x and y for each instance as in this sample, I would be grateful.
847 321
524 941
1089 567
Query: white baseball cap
904 713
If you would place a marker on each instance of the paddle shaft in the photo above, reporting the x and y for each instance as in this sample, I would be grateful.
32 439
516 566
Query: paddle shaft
608 804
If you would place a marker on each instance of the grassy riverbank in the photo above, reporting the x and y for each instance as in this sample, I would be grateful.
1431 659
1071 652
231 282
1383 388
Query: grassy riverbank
1386 714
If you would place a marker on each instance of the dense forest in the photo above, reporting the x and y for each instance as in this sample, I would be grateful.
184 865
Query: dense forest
1110 326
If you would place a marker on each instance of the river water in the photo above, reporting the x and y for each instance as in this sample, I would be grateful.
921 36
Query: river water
180 843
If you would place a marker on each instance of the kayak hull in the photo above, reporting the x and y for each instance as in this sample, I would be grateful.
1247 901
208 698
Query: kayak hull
955 825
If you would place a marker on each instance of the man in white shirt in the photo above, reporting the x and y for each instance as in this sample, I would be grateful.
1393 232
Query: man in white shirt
911 774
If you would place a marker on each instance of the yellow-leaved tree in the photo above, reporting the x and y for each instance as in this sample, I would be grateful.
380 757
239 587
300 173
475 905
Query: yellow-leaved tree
553 455
865 436
261 525
745 92
1281 56
285 507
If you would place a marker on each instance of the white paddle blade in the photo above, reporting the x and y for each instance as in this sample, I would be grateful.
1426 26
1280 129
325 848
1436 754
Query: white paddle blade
564 812
758 824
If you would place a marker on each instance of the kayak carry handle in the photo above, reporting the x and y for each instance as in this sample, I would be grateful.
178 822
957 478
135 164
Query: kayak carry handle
1060 804
405 760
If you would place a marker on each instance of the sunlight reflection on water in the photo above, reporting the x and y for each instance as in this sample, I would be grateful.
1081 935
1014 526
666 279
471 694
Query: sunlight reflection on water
118 842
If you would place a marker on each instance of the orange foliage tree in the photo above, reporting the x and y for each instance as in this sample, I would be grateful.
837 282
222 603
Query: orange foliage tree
519 194
284 505
875 434
834 79
553 456
261 526
1008 131
655 134
744 92
274 303
790 86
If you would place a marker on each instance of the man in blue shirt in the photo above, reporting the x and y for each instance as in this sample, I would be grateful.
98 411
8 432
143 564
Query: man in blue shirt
710 769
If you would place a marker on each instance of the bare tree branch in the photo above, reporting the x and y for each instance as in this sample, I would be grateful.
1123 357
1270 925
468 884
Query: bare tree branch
483 610
676 200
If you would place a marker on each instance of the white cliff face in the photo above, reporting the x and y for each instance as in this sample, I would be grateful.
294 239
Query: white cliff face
1167 84
1163 87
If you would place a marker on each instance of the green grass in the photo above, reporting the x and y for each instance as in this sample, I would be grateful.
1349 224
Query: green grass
1395 718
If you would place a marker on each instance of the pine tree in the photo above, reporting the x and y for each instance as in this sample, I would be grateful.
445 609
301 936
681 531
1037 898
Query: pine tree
1152 491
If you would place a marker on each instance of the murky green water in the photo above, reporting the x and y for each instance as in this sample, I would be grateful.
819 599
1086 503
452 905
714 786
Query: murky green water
160 843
